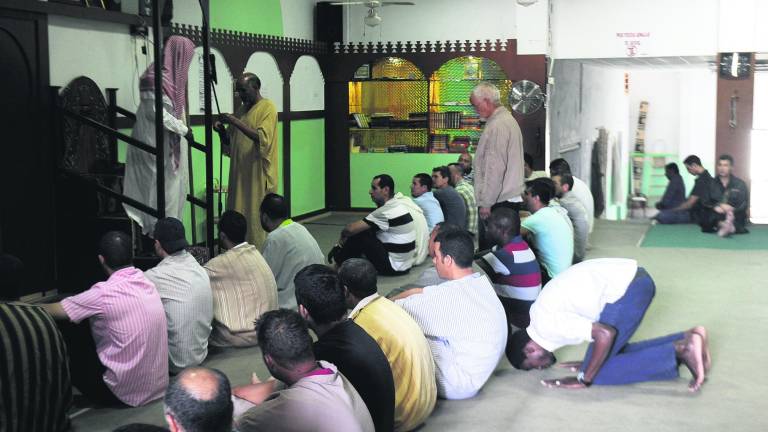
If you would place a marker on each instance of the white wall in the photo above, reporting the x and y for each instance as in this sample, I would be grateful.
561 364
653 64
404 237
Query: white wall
307 85
588 28
435 20
104 52
264 65
583 99
742 26
298 18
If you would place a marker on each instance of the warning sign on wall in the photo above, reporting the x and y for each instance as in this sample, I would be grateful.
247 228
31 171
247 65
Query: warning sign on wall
634 43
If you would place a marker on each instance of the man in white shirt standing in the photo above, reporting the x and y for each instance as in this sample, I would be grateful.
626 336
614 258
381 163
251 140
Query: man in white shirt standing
462 319
185 290
604 301
288 249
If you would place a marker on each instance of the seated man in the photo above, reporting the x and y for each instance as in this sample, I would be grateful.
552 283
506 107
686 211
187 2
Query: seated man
690 209
511 266
199 400
576 213
429 276
549 227
462 319
35 381
289 247
387 236
580 189
454 209
399 337
342 342
674 194
316 396
604 301
528 171
421 191
467 193
729 201
242 284
465 160
185 289
420 230
124 357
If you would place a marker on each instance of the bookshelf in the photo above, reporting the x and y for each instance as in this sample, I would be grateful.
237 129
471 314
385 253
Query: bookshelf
454 126
393 108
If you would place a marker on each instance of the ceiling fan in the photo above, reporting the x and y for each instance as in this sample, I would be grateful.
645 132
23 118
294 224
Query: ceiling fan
373 18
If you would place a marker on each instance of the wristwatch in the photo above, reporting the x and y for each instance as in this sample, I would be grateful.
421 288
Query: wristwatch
581 380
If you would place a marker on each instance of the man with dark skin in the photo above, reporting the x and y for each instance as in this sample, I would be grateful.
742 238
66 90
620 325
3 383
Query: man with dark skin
729 201
465 160
253 153
577 306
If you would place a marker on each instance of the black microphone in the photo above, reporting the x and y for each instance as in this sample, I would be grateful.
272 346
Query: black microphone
212 60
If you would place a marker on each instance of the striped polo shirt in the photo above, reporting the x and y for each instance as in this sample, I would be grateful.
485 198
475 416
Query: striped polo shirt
516 273
131 334
35 389
395 229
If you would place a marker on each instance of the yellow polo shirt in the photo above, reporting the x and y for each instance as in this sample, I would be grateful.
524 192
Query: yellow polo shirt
409 356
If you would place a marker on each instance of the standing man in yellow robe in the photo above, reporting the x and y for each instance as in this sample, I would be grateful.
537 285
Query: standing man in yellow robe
253 155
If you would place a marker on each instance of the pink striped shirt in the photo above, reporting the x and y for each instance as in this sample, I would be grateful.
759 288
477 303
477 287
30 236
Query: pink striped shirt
130 331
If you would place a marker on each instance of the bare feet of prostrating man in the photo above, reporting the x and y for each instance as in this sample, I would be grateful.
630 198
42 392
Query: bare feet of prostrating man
690 351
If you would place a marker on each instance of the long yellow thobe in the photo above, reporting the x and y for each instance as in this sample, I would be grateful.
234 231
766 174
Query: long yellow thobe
253 168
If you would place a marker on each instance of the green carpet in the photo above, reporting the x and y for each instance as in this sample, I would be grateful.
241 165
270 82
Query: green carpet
690 236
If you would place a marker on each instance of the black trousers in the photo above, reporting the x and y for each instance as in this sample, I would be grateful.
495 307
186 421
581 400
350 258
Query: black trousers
709 220
85 367
368 245
483 242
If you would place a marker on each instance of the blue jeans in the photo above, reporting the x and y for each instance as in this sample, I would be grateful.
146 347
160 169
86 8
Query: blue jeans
673 217
650 360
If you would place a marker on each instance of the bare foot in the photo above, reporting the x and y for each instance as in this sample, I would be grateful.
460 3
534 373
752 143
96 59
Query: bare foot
701 331
692 357
572 366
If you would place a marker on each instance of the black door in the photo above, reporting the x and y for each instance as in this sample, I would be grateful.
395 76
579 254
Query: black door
27 228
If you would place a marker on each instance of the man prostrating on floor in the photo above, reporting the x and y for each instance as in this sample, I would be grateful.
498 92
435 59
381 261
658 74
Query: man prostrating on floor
604 301
462 319
387 236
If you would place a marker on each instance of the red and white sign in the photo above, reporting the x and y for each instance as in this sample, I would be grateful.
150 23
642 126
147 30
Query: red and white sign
633 43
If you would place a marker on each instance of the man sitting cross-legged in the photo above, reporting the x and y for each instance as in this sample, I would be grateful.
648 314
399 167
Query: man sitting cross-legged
399 337
185 289
454 209
387 236
604 301
242 284
467 193
549 228
421 191
315 397
342 342
123 359
512 266
462 319
288 249
576 213
199 400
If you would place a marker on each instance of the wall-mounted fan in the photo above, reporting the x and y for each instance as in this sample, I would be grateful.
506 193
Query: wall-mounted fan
526 97
373 19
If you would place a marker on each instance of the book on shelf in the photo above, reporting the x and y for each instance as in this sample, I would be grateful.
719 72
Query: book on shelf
445 120
438 142
361 120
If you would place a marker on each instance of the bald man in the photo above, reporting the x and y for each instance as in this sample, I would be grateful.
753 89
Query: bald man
253 156
199 400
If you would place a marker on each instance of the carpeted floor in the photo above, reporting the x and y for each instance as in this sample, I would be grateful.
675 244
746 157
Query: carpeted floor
724 290
690 236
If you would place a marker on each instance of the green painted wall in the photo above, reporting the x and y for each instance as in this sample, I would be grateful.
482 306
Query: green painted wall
307 166
401 166
253 16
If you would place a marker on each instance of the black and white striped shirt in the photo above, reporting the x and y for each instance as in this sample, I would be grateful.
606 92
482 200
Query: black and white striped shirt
35 387
395 229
